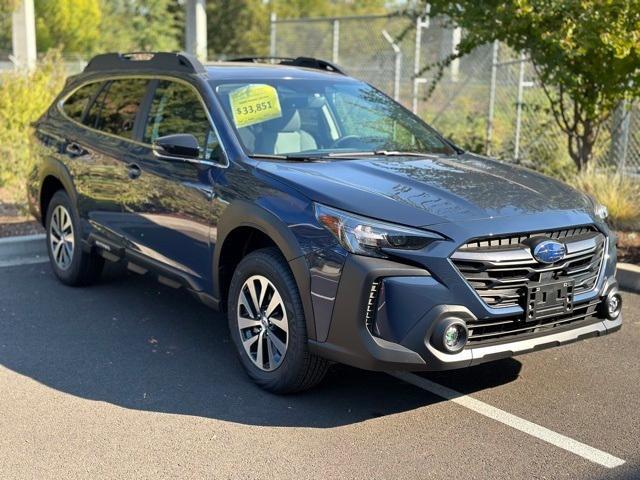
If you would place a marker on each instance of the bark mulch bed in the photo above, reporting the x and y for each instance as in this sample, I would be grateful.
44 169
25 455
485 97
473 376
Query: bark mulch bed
14 221
629 247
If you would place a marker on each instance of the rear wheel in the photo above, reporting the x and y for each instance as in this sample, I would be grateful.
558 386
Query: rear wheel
70 263
267 325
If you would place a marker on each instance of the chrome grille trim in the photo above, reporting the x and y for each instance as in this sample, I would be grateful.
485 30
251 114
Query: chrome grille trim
492 242
500 273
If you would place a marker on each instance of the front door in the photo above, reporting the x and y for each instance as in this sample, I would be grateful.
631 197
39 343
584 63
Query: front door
173 223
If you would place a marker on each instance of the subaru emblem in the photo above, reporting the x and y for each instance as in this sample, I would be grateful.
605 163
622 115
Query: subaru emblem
549 251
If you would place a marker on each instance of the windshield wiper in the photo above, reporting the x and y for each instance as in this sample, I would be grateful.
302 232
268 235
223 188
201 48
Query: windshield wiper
292 158
315 157
379 153
395 153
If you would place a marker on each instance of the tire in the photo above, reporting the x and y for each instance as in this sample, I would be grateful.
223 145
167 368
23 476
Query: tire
295 370
69 262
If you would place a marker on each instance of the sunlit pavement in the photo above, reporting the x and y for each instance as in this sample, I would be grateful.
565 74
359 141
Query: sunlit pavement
129 379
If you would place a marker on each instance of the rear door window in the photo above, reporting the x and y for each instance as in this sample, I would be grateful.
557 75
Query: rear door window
75 105
116 107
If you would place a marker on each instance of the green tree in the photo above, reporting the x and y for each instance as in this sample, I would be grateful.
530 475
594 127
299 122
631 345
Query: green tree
137 25
586 54
70 24
6 7
239 27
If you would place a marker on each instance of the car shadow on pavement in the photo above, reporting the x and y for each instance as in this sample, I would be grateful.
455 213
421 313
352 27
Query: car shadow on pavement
136 344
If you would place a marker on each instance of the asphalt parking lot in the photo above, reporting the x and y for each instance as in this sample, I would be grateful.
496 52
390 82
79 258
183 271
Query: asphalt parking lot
129 379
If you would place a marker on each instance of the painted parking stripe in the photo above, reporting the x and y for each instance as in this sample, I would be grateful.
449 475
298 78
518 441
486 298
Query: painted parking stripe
23 261
561 441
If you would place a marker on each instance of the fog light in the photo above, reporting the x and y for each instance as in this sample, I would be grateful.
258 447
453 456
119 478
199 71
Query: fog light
450 335
613 305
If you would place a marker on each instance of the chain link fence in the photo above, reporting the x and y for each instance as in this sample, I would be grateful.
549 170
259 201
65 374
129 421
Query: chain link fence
488 101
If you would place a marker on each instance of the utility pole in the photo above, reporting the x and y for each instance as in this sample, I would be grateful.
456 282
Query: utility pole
196 34
24 35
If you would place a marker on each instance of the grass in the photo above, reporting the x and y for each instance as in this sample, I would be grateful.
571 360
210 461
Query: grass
620 194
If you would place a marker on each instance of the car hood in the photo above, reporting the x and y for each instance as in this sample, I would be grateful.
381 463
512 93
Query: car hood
427 191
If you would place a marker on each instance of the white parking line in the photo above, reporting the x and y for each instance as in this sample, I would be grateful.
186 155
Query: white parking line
585 451
23 261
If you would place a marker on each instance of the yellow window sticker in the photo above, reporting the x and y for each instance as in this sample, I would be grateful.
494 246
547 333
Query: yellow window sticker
255 103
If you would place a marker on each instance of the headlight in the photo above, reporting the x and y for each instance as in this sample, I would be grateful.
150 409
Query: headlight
365 236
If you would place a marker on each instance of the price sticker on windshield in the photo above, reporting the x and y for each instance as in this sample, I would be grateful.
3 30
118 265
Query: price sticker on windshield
255 103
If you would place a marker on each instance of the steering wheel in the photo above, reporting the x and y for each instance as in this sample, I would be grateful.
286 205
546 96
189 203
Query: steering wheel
347 142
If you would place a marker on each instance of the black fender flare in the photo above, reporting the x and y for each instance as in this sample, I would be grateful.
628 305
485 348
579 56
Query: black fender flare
57 170
245 214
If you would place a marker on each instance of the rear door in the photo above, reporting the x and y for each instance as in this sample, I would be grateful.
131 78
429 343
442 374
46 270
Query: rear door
107 148
173 224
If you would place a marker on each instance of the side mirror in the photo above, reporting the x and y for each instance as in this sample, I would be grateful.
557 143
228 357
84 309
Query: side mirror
178 145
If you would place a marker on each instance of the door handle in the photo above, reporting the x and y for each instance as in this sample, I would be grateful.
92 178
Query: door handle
134 171
73 148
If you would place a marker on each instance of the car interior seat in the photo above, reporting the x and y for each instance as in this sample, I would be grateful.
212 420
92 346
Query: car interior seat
284 135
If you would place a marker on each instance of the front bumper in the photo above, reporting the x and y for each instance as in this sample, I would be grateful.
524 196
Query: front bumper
415 300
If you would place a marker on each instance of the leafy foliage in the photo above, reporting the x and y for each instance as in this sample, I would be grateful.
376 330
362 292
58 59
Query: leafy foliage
8 6
86 27
23 98
586 53
69 24
136 25
240 27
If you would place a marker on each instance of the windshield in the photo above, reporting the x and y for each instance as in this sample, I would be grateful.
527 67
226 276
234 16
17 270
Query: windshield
294 117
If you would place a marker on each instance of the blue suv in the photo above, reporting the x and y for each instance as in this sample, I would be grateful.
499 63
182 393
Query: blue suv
329 222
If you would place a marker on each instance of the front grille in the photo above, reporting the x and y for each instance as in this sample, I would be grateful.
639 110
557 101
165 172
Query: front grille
501 269
483 332
566 234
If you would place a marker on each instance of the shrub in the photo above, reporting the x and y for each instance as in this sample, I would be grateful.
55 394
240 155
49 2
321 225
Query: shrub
23 98
621 196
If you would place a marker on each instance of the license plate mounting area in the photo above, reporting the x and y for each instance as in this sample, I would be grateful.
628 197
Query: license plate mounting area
548 300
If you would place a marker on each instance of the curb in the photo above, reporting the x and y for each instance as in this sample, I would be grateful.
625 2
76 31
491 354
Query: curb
12 249
628 276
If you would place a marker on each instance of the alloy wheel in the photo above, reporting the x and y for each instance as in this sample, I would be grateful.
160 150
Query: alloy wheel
262 322
61 237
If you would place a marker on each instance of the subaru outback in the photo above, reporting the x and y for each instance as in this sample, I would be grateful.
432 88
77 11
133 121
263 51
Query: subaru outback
329 223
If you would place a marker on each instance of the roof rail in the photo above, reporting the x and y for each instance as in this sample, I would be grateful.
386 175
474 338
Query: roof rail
173 62
306 62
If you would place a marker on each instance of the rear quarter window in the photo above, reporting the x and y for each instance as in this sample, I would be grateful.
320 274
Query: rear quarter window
74 106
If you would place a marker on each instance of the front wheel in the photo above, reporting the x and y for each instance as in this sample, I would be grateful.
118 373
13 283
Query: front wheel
70 263
267 325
